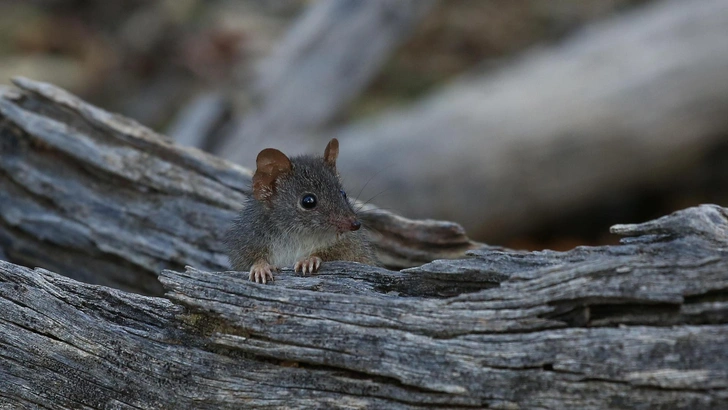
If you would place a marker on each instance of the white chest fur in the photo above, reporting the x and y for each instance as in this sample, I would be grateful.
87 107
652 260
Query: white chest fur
289 250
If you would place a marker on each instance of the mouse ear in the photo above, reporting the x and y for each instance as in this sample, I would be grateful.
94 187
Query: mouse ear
271 164
331 152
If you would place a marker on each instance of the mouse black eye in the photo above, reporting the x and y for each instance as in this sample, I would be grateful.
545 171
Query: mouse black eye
308 201
343 193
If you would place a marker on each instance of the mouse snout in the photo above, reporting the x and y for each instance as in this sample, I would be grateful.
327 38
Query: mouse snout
347 224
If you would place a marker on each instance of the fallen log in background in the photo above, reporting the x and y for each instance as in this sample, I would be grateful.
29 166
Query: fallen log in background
102 199
626 103
630 102
639 325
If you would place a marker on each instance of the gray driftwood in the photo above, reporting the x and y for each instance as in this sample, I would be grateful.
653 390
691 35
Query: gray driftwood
640 325
104 200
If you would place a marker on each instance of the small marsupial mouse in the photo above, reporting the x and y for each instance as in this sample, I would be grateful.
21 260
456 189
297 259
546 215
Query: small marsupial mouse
298 215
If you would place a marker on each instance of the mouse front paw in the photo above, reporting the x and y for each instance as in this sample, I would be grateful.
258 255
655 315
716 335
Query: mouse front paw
262 272
308 265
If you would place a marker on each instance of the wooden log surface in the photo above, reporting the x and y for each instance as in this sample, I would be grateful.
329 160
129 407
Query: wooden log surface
102 199
640 325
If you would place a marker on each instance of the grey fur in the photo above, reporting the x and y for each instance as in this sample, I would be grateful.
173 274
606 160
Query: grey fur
277 229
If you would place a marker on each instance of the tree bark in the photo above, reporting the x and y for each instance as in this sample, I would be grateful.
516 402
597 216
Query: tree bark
639 325
101 199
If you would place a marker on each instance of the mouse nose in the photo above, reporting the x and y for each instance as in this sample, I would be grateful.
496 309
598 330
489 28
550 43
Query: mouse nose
355 225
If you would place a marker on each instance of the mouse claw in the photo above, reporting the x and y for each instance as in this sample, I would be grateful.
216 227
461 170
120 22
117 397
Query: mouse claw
308 265
262 272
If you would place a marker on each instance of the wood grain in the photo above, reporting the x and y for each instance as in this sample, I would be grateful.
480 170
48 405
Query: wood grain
638 325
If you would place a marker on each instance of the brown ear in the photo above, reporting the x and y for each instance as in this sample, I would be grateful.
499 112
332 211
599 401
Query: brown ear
331 152
271 164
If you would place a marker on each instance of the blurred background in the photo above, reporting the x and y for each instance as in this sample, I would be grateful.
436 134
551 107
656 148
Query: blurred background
534 123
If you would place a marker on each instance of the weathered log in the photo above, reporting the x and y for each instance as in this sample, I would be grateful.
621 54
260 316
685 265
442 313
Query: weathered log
100 198
640 325
628 102
326 59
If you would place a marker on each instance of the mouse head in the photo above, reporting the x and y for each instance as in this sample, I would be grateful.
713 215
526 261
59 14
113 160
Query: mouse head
304 194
